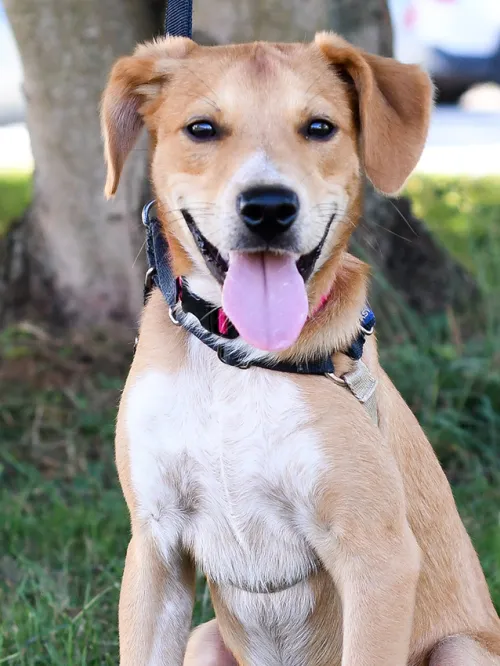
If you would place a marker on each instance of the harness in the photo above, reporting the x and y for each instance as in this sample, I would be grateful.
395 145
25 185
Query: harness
212 327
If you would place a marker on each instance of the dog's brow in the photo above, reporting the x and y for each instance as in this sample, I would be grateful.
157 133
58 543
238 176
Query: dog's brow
309 102
211 102
312 85
214 104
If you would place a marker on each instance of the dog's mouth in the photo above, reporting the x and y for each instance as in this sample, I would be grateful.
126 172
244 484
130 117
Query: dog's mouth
216 264
263 291
219 267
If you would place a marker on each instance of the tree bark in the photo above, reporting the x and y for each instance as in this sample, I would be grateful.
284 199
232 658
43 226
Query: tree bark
81 250
226 21
365 23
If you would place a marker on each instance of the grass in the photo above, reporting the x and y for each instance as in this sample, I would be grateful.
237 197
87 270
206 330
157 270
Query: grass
15 195
63 522
465 215
64 526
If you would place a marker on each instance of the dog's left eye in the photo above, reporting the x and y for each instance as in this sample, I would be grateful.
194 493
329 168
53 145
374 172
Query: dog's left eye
320 129
202 130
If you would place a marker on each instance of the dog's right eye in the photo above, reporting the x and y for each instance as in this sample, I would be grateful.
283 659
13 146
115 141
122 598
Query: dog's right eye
202 130
320 129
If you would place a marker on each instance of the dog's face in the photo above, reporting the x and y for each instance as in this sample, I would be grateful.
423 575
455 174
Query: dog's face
258 154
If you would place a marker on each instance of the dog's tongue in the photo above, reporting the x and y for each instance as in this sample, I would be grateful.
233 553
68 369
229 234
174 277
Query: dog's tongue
265 298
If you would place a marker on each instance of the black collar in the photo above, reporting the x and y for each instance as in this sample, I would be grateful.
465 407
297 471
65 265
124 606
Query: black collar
211 325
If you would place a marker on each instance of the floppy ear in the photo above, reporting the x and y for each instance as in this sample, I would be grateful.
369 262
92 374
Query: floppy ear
134 84
395 103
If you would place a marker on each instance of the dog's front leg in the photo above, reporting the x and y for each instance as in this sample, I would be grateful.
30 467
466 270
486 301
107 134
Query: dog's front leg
372 555
156 604
378 591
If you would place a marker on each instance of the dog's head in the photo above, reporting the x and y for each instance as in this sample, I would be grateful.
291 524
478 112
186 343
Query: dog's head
258 154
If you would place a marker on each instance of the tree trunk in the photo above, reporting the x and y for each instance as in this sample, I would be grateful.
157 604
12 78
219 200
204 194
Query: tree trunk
81 250
406 255
73 257
225 21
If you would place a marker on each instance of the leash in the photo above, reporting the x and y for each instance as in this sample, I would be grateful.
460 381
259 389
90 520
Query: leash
211 326
179 18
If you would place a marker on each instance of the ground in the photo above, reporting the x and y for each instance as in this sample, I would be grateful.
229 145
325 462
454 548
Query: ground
63 522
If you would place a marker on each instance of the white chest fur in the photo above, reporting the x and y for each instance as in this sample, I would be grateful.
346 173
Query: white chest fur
223 462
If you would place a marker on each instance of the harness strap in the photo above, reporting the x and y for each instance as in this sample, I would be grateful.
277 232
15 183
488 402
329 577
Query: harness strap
179 18
160 272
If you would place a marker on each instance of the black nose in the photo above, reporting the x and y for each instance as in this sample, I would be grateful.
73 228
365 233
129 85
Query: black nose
268 211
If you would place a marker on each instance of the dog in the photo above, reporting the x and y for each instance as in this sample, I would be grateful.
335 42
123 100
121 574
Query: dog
326 529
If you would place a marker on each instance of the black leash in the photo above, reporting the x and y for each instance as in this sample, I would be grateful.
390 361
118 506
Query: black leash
179 18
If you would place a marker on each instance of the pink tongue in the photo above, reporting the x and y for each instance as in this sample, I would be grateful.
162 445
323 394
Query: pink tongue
265 298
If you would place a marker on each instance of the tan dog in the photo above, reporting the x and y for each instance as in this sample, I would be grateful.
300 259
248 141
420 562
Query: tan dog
326 538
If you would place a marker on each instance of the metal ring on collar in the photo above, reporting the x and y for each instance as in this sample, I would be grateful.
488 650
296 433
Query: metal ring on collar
145 212
337 380
148 278
173 318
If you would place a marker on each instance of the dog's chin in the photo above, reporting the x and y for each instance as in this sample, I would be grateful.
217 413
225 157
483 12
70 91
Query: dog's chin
218 266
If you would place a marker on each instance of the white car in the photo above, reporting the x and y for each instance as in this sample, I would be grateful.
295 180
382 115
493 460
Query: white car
458 41
11 94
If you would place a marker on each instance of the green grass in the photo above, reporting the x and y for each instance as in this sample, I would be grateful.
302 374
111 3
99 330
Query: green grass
63 523
465 214
61 569
15 195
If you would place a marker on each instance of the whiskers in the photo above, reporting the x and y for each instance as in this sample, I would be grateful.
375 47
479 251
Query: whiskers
212 224
403 217
197 210
323 213
139 253
202 210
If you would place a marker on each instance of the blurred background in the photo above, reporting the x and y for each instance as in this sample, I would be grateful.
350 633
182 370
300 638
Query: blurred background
71 268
